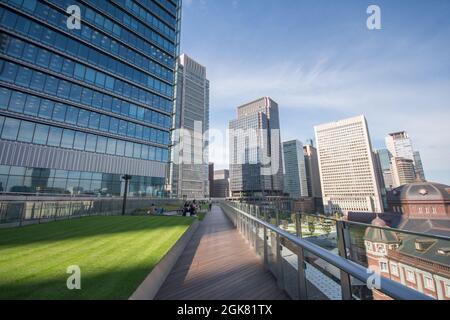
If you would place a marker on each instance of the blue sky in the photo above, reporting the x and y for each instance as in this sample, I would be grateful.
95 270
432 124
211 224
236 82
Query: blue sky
319 61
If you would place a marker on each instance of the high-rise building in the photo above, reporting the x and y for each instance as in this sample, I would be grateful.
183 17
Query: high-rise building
295 183
347 167
211 179
312 171
384 161
402 171
221 184
85 100
399 145
189 168
255 150
418 166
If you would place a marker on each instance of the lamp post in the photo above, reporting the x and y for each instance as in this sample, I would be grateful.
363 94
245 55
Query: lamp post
127 178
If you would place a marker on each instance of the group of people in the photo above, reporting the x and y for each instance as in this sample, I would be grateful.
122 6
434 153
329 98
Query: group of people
193 206
190 207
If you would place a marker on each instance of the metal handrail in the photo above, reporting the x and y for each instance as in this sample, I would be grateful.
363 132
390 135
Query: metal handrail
362 224
389 287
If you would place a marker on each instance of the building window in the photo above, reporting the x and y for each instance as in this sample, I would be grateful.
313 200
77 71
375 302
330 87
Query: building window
429 284
383 267
394 269
447 290
410 276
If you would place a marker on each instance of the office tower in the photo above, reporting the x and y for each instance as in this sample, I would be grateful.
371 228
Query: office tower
312 171
384 161
211 179
189 176
399 145
255 150
379 176
346 166
295 183
402 171
221 184
420 173
80 107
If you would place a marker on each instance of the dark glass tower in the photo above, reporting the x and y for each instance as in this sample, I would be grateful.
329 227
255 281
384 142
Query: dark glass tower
80 107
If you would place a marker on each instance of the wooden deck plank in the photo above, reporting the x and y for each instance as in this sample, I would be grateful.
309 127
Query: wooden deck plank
218 264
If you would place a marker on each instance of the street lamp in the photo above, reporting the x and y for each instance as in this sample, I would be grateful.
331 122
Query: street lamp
127 178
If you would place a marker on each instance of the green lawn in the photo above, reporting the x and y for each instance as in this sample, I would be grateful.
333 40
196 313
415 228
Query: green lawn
115 254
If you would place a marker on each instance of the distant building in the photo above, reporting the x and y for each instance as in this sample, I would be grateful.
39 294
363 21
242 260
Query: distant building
403 171
399 145
379 175
418 165
384 159
295 182
255 150
221 184
312 171
347 167
189 168
211 179
304 205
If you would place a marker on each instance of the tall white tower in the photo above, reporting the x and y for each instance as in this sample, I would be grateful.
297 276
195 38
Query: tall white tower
347 168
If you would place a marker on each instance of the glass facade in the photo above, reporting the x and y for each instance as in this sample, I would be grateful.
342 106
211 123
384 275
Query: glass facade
105 88
63 182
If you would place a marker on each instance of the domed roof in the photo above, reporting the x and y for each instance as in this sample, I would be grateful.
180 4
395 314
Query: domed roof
378 222
381 233
420 191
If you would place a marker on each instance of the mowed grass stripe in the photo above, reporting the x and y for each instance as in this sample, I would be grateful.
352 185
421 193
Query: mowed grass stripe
114 253
53 239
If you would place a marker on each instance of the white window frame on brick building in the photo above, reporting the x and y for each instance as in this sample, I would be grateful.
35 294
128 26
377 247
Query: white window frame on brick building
412 278
394 269
428 282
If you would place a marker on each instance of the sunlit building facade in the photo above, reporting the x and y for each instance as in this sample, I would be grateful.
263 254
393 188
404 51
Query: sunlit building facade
347 168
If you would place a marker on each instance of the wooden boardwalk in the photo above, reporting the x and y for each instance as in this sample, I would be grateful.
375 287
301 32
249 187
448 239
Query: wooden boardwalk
218 264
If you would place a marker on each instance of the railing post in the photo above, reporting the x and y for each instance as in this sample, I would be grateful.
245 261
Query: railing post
301 269
23 212
266 248
279 258
346 284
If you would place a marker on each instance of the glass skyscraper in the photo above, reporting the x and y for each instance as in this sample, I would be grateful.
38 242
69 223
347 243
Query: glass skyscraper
80 107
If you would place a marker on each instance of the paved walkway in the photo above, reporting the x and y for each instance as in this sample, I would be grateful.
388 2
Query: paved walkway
218 264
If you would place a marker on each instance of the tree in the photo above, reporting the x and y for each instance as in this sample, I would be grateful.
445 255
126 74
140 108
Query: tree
326 227
311 227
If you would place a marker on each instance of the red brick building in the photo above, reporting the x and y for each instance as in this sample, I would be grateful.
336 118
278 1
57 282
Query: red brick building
420 200
421 263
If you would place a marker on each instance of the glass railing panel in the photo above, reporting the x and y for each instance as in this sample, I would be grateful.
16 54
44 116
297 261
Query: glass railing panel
289 271
272 252
321 231
323 279
259 242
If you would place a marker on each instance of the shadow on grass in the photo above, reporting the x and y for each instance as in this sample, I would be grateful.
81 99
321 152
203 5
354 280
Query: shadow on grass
109 285
88 227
